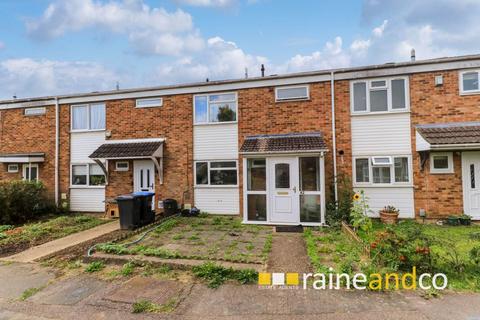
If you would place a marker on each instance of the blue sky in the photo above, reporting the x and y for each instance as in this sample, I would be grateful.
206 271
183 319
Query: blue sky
52 46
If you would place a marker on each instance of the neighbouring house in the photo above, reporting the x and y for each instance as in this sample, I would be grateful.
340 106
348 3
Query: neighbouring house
268 148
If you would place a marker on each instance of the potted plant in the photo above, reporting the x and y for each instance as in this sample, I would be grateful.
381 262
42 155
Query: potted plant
465 220
453 220
389 215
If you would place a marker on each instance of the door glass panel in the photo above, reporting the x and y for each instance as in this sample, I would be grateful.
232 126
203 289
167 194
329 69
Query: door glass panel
282 176
309 174
256 175
257 207
472 176
310 208
141 178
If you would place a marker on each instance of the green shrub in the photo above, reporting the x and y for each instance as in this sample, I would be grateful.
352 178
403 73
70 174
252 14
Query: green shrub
339 211
475 255
22 201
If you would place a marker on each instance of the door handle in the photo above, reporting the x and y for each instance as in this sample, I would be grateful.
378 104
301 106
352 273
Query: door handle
295 189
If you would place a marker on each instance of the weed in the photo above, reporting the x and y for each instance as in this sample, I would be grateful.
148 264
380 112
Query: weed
194 237
250 247
127 269
29 292
113 248
267 247
216 275
178 236
142 306
95 266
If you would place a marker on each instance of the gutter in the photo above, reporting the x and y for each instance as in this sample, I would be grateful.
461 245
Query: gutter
334 137
57 150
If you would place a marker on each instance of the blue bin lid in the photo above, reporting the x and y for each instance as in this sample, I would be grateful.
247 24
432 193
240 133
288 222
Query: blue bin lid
143 193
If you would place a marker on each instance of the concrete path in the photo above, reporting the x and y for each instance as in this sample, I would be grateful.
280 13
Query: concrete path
87 297
51 247
289 253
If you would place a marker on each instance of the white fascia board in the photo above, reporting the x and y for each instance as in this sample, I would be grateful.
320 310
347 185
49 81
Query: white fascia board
21 159
450 147
135 140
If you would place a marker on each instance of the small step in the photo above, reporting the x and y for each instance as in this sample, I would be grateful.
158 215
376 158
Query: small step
297 229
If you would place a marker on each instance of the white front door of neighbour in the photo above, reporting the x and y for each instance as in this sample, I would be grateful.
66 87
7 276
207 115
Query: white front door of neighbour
144 177
284 188
471 183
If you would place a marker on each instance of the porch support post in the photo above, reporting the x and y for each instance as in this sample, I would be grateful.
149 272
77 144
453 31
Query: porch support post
322 188
104 169
159 165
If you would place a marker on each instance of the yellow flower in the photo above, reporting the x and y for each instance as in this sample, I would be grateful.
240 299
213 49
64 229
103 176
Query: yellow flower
356 197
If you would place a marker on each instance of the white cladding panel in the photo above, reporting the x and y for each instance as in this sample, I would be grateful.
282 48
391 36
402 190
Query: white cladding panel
383 134
400 198
215 142
87 199
218 200
83 144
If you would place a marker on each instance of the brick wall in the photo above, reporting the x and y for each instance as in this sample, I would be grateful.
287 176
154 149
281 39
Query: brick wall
173 121
439 194
26 134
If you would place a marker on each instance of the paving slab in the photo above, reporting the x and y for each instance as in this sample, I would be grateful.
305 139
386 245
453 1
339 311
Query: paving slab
11 315
155 290
288 254
15 278
69 291
49 248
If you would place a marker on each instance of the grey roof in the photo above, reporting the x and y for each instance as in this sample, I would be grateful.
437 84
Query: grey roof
251 79
450 133
284 143
126 150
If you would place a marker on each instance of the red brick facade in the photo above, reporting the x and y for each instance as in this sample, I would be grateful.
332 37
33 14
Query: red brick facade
258 113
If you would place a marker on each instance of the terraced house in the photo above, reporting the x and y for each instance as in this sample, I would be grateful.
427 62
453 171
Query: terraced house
269 148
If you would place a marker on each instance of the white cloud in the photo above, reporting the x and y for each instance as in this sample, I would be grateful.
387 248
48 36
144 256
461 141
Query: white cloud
378 31
150 30
28 77
208 3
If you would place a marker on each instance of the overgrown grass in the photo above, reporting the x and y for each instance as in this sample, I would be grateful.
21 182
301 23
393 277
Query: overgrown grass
95 266
215 275
54 228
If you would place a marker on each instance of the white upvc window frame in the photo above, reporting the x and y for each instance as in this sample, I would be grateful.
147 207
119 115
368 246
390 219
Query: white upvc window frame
33 112
460 82
10 165
391 164
29 166
87 185
151 105
117 168
388 87
300 98
209 185
448 170
208 95
88 105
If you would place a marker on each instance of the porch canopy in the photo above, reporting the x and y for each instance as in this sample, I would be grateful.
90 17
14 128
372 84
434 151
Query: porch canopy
33 157
131 149
453 136
311 142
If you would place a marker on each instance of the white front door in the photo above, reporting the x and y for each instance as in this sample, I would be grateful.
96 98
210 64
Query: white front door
144 177
284 190
471 183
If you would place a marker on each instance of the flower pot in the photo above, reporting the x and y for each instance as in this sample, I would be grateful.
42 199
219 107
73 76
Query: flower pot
389 217
453 221
465 221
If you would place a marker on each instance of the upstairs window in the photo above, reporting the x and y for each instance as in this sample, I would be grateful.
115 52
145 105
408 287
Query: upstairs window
379 95
291 93
35 111
469 82
215 108
88 117
149 103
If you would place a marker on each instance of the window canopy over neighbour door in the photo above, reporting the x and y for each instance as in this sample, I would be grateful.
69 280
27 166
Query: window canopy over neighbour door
131 149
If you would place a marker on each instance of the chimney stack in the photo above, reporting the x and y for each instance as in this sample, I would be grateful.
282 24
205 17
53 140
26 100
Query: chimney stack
412 55
263 70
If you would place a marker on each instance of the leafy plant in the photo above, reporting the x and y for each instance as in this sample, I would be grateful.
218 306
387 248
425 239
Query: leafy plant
142 306
358 214
95 266
475 255
390 209
29 292
339 211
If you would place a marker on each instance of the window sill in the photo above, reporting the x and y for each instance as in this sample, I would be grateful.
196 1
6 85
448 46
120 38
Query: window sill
380 185
470 93
294 100
84 131
215 123
87 187
216 187
359 114
442 172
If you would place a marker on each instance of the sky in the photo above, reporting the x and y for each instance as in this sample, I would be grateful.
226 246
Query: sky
50 47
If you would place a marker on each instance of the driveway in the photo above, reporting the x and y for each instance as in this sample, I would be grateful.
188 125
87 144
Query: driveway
82 296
